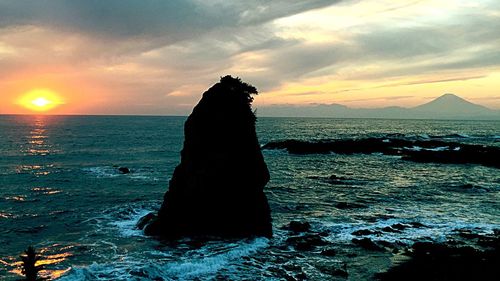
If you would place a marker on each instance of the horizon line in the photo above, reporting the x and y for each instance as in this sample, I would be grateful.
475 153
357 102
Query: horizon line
279 117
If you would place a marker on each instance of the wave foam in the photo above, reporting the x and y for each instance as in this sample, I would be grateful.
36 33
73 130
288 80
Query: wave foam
429 230
200 264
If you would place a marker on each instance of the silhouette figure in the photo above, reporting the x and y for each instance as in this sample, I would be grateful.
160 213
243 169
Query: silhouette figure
30 269
217 189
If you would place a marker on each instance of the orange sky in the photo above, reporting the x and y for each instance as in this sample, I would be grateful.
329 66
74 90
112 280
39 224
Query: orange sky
159 58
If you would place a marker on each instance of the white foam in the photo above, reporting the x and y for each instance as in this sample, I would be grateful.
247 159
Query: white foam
439 148
102 172
126 227
112 172
418 148
413 148
432 229
212 263
200 264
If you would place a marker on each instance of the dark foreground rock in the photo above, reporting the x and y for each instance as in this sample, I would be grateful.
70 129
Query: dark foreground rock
217 189
426 151
446 261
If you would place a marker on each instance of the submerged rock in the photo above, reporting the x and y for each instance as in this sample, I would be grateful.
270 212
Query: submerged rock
217 189
124 170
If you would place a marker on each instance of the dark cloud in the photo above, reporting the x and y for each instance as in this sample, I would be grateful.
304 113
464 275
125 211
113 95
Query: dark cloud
173 19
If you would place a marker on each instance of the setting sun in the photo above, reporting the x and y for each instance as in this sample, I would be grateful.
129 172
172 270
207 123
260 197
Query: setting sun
40 100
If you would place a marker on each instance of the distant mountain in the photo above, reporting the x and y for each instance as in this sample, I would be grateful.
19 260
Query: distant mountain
447 106
450 104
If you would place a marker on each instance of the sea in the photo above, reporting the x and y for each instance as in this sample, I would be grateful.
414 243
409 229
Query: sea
62 193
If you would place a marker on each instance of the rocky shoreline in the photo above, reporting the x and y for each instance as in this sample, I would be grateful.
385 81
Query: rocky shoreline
424 151
464 255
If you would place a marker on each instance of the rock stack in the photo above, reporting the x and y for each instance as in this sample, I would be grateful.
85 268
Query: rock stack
217 189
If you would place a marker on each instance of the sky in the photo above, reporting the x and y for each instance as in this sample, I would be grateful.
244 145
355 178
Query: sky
158 57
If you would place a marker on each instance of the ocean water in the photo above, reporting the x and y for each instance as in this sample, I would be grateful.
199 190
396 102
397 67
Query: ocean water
60 191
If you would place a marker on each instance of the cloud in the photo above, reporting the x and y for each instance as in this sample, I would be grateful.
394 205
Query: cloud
173 19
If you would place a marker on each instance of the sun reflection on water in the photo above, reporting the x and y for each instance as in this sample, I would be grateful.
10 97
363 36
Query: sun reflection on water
37 138
45 190
37 170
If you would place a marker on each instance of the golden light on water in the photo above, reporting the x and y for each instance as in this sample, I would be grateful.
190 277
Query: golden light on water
40 100
53 257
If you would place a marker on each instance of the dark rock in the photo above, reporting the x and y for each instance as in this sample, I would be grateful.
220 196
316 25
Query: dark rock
390 245
367 244
399 226
436 261
299 226
329 252
417 150
306 242
467 233
473 188
334 179
217 189
145 220
417 224
124 170
466 154
363 232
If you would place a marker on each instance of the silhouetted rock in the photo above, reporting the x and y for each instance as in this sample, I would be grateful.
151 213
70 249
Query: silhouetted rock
217 189
124 170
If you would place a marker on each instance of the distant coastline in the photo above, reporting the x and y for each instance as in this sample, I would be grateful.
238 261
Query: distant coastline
445 107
